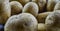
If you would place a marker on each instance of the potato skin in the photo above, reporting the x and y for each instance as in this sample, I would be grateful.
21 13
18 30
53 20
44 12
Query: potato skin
41 4
51 4
42 16
5 11
16 7
52 21
57 6
41 27
21 22
32 8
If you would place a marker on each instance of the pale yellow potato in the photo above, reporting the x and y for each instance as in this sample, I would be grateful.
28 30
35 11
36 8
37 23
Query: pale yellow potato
52 21
41 27
5 11
51 4
32 8
41 4
42 16
21 22
16 7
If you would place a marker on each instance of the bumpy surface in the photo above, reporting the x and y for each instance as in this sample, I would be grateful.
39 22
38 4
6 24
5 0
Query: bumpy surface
21 22
32 8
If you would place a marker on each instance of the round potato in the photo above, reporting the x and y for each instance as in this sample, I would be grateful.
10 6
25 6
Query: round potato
51 4
5 11
21 22
41 4
16 7
32 8
41 27
42 16
52 21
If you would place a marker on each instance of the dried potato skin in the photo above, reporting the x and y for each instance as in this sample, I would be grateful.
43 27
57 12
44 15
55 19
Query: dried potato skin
32 8
5 11
16 7
52 21
21 22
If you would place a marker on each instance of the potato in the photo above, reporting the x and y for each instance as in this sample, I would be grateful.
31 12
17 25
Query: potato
41 27
53 21
41 4
32 8
16 7
23 2
21 22
51 4
57 6
5 11
42 16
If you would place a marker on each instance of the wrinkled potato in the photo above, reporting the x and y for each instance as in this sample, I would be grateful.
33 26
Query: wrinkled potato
23 2
32 8
53 21
42 16
41 27
21 22
16 7
5 11
41 4
51 4
57 6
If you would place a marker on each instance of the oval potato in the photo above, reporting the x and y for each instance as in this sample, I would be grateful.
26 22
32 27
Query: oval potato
32 8
21 22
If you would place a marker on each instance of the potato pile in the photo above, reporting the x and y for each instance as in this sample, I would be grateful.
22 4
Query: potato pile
29 15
